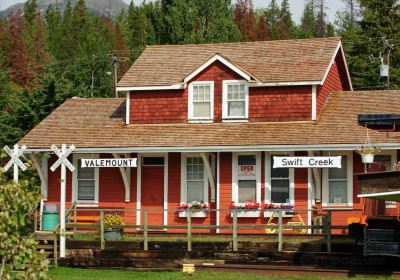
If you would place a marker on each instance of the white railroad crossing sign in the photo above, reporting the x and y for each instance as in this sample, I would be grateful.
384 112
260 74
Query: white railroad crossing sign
63 157
64 162
15 160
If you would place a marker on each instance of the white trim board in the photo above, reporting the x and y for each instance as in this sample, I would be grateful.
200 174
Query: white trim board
224 61
139 185
325 180
74 196
247 148
183 195
235 185
144 88
267 179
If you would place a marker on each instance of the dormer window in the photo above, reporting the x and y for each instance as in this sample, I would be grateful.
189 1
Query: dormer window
235 99
201 101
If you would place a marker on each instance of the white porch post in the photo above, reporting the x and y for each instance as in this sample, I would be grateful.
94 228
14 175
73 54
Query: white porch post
62 204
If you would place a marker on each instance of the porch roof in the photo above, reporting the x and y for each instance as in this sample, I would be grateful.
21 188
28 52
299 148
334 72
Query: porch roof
99 124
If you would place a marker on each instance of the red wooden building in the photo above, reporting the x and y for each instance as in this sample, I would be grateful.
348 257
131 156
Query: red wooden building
194 115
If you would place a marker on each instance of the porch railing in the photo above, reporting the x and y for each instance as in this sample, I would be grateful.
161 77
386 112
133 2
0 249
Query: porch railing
144 227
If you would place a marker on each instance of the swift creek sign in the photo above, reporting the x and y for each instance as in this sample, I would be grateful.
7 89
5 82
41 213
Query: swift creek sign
108 162
307 162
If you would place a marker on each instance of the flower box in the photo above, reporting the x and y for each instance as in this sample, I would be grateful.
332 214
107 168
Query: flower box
194 214
247 213
285 214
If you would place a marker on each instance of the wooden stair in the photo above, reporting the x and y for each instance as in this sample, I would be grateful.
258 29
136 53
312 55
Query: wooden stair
48 242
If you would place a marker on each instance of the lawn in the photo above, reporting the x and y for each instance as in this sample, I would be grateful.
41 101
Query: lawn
109 274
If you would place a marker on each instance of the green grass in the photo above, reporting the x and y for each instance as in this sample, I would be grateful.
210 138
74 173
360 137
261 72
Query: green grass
110 274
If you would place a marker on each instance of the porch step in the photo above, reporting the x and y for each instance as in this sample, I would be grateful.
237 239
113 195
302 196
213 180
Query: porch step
48 242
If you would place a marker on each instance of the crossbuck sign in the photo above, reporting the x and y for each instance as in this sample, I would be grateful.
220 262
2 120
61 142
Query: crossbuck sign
64 162
15 160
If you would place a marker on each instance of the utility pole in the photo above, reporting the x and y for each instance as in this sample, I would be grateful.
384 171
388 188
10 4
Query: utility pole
384 70
115 61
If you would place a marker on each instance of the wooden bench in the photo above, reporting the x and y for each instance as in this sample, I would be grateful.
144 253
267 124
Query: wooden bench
84 220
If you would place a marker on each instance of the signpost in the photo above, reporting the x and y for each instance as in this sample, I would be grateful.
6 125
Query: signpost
15 160
307 162
63 162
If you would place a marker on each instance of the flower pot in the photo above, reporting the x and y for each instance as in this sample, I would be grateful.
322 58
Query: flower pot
367 158
113 234
194 214
247 213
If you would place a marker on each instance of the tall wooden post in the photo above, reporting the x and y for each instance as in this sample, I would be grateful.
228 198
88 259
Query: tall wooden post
102 240
328 231
62 204
16 179
280 232
145 237
189 230
234 231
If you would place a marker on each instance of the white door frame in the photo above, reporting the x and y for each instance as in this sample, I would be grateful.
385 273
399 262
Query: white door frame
139 185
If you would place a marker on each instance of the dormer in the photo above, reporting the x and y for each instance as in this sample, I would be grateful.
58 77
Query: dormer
267 81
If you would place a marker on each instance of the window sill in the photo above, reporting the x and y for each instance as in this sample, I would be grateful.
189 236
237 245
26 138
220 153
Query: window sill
194 214
87 204
285 214
200 121
239 120
242 213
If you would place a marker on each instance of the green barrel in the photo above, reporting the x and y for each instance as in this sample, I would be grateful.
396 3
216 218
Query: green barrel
50 217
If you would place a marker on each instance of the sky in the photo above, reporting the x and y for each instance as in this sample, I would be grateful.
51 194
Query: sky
295 5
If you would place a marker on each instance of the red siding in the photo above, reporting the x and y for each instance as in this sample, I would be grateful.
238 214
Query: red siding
165 106
335 81
54 179
280 103
265 104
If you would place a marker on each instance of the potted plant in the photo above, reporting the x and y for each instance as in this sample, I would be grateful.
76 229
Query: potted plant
112 229
249 209
197 209
268 209
368 152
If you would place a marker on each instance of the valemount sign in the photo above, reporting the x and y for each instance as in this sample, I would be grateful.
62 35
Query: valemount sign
308 162
108 162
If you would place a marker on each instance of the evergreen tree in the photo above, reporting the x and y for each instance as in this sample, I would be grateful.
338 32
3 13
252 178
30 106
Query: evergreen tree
320 29
272 17
308 22
286 29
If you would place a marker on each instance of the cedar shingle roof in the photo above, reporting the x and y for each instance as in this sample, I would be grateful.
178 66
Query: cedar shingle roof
268 61
99 123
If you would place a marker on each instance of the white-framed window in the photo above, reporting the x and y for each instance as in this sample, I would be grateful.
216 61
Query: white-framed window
194 180
337 186
279 182
85 181
235 99
246 181
201 101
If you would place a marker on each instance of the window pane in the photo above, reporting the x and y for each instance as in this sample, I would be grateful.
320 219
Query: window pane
247 190
278 172
280 191
201 110
339 173
236 108
85 173
195 191
338 191
247 160
86 189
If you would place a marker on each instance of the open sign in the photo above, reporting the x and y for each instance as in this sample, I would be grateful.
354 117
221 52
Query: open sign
247 172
